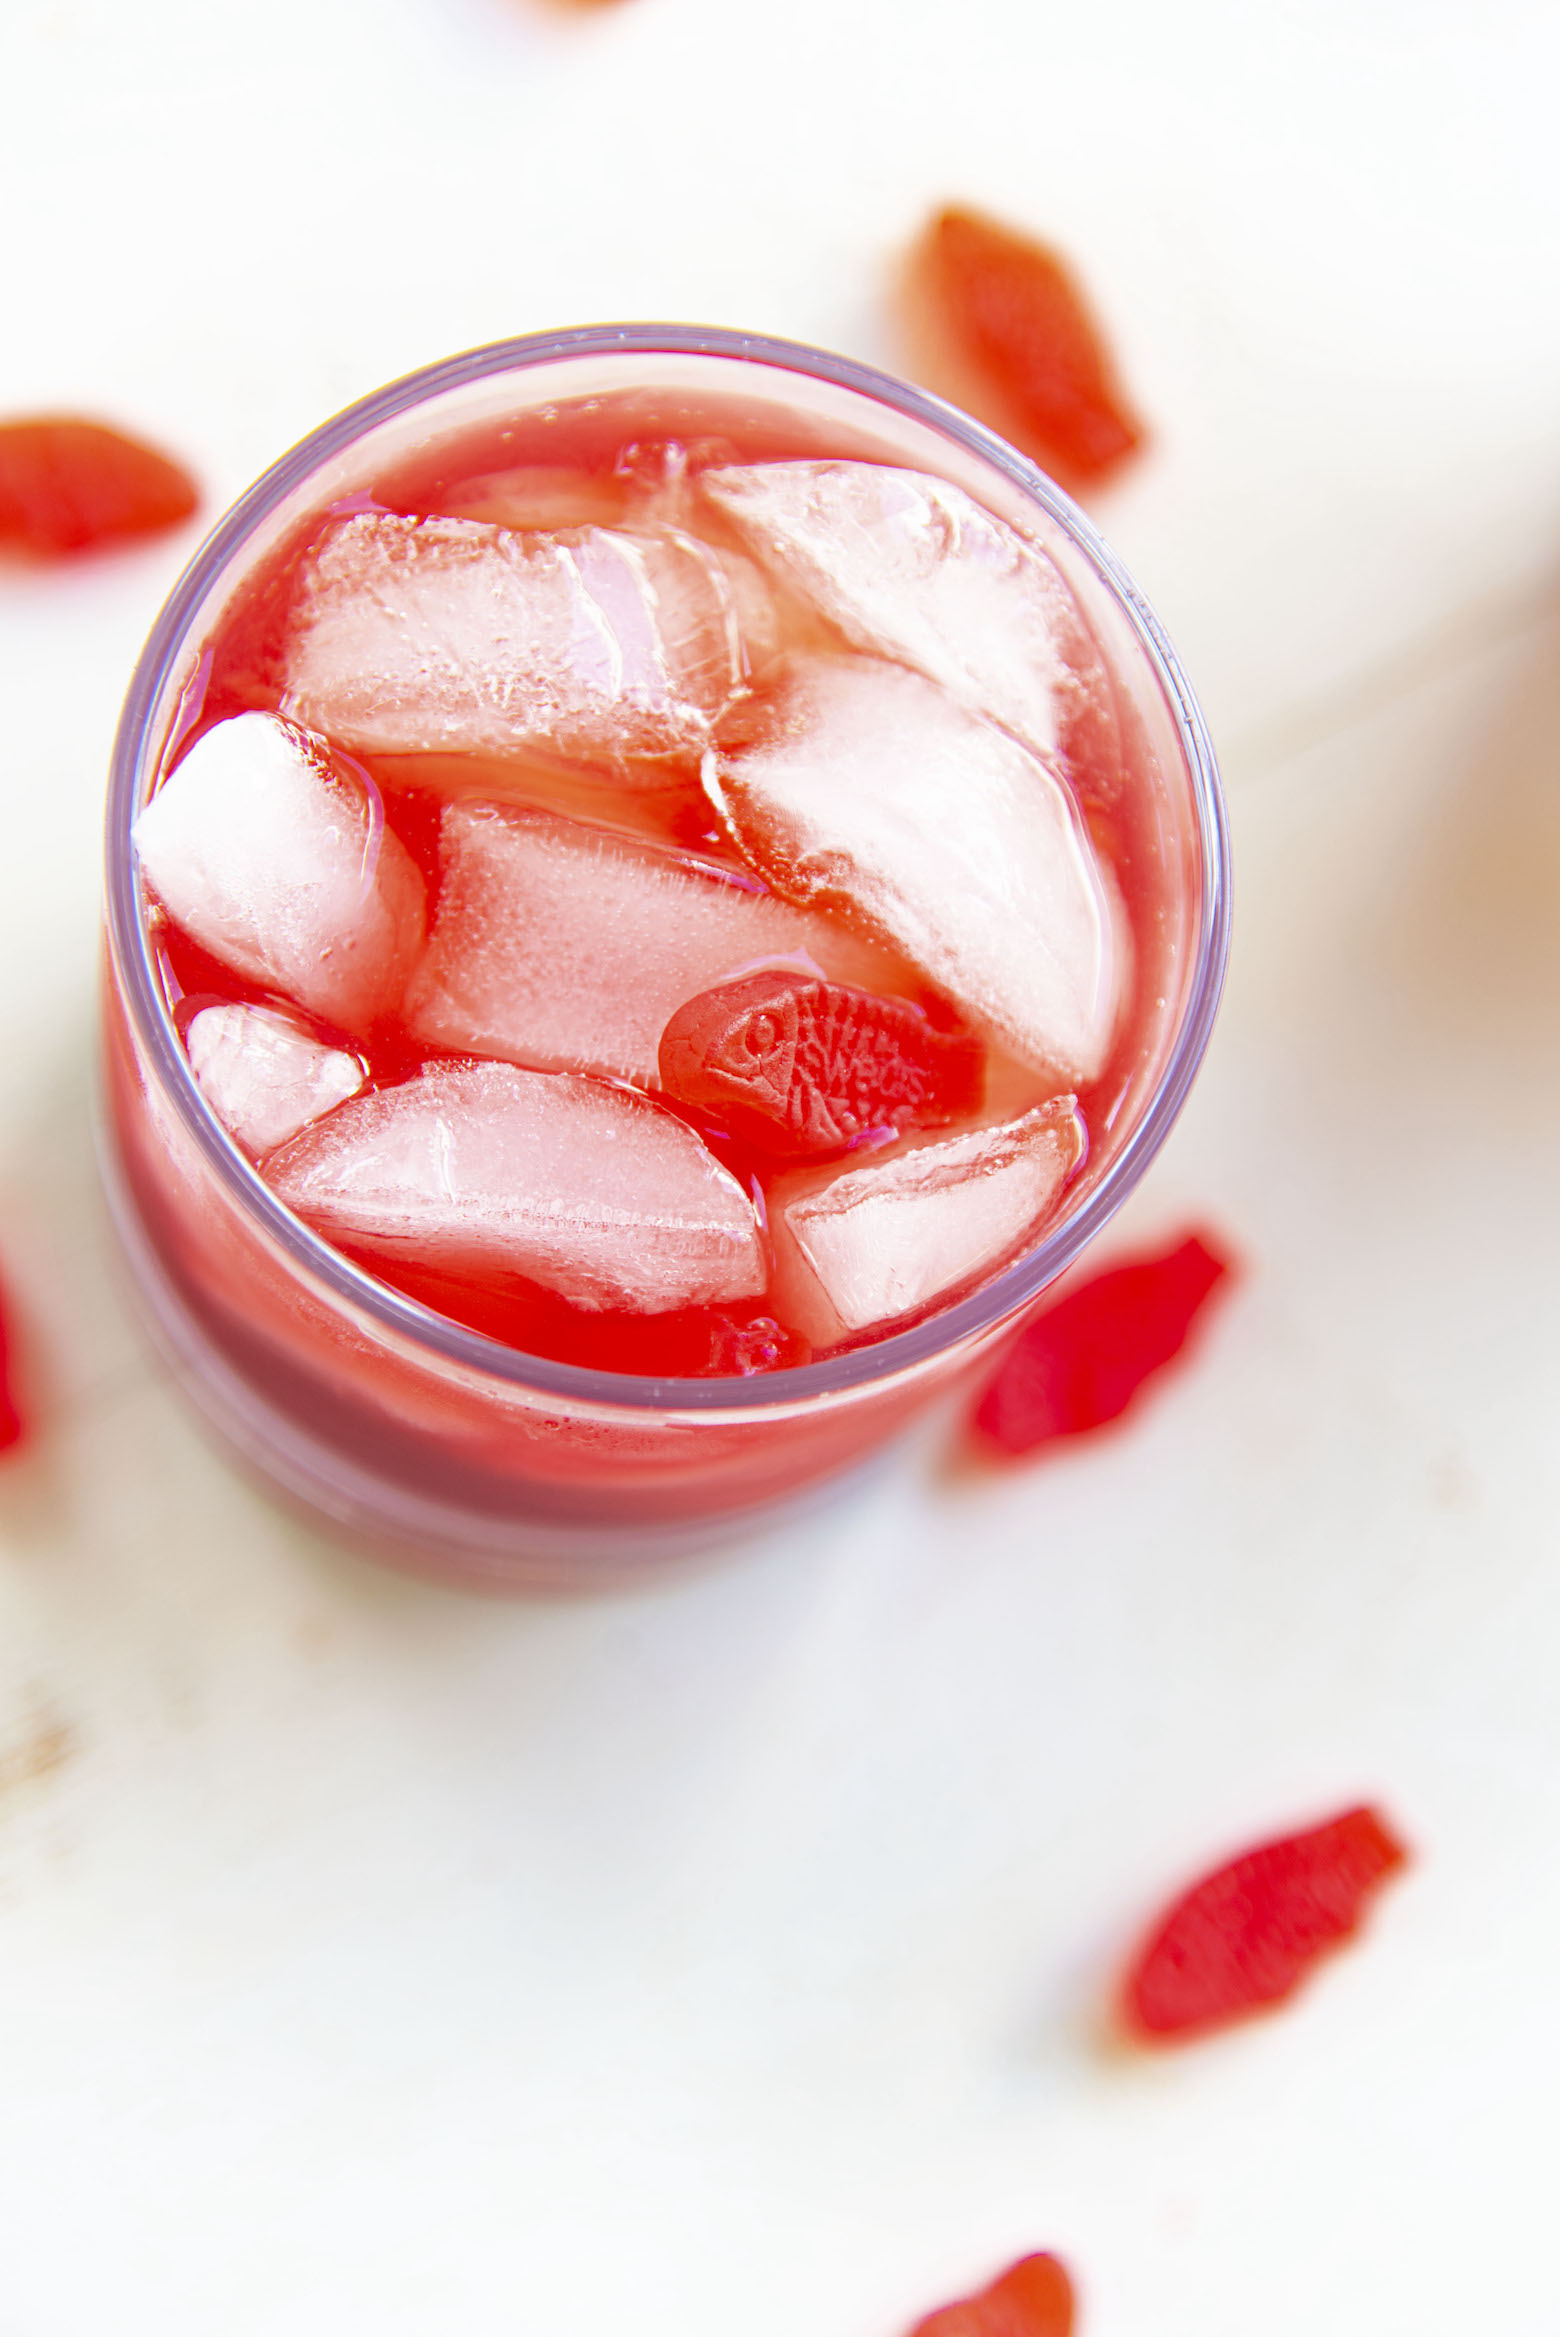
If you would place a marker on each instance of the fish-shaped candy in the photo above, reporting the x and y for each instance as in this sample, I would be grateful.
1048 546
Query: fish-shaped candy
801 1068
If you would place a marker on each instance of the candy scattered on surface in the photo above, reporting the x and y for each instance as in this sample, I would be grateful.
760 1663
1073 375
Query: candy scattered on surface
1085 1360
1012 311
67 485
1245 1936
1033 2298
12 1427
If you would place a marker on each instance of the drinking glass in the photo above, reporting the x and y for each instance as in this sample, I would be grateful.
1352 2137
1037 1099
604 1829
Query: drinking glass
409 1433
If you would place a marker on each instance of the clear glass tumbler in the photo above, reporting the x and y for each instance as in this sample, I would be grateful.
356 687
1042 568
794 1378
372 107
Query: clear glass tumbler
444 1450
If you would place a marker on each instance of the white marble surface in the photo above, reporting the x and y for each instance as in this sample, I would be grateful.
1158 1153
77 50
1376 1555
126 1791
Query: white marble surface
726 1958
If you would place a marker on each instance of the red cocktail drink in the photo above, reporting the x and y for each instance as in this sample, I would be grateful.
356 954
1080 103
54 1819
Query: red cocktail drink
662 886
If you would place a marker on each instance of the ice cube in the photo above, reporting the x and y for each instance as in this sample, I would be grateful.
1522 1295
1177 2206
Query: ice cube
541 495
864 1246
273 855
912 568
569 947
648 489
263 1075
452 635
594 1191
860 783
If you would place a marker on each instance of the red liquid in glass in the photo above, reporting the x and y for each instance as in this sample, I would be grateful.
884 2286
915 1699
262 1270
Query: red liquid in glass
359 1383
600 467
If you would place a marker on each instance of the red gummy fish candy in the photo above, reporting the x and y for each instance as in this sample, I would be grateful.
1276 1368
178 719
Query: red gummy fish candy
1033 2298
1081 1363
11 1427
1014 313
1246 1935
802 1068
66 485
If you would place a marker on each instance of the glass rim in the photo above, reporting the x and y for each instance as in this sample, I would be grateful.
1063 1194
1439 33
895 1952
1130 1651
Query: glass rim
858 1367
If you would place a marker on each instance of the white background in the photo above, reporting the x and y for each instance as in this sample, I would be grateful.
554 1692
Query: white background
726 1960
